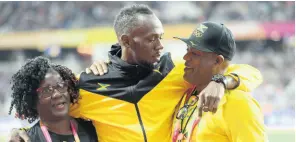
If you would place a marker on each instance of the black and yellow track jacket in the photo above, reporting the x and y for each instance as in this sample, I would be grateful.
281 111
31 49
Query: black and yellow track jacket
132 103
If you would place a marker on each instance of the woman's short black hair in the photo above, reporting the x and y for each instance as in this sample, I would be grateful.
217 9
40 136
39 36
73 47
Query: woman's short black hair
26 81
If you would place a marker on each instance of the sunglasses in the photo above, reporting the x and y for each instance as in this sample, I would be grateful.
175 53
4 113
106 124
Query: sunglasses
184 110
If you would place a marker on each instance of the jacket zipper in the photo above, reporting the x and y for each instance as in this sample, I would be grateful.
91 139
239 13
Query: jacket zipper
141 122
138 114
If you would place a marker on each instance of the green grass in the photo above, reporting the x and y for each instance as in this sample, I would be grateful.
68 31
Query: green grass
281 135
2 139
273 136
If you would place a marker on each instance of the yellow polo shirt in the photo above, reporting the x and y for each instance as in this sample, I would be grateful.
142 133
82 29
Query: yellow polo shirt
238 119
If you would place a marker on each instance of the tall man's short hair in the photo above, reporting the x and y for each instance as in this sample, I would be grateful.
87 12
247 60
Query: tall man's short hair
128 18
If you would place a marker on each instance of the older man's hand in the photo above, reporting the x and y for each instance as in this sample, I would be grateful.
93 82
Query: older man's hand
210 97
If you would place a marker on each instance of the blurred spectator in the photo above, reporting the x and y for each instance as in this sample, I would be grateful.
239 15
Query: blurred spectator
44 15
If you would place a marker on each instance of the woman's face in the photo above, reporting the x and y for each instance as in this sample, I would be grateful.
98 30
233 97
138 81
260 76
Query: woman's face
54 98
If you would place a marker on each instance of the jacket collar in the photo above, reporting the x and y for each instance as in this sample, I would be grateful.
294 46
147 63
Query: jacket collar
126 68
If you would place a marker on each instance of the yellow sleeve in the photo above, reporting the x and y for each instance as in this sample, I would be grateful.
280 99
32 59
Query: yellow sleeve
88 102
75 109
83 107
244 118
250 77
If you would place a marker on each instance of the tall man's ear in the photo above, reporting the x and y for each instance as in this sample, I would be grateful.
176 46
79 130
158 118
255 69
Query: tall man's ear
125 41
219 59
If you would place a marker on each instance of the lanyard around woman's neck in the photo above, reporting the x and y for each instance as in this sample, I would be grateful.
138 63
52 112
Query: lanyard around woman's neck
48 138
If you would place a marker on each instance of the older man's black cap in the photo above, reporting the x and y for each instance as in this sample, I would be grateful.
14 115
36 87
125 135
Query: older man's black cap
212 37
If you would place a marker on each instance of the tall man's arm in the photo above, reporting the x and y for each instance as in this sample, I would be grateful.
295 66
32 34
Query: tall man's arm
244 119
244 76
247 79
250 77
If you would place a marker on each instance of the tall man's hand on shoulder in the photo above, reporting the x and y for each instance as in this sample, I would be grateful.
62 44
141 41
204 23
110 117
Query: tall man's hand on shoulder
99 67
211 95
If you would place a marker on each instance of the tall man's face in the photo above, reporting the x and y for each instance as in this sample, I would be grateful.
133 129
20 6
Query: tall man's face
145 43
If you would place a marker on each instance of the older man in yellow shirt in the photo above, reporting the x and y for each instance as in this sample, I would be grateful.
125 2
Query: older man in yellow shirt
238 117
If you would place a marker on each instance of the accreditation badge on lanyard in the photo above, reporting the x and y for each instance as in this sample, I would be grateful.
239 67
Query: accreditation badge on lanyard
48 138
187 117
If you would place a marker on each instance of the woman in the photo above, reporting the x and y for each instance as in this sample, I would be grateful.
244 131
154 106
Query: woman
45 90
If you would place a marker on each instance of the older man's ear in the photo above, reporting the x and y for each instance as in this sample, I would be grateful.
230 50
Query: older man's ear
219 59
